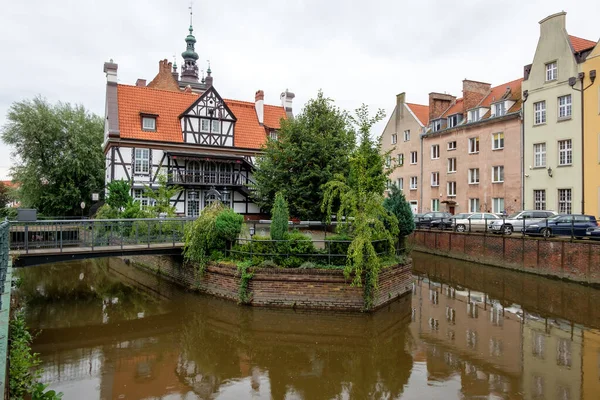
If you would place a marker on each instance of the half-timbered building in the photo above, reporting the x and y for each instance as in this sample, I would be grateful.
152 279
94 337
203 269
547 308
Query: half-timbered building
180 126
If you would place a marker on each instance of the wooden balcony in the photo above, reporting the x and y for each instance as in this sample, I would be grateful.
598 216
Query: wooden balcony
207 178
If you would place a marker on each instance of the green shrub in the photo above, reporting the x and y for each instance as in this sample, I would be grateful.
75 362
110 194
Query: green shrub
228 224
338 244
201 237
8 212
106 212
308 265
280 217
268 264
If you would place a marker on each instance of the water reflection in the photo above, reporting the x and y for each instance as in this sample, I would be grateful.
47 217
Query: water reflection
449 339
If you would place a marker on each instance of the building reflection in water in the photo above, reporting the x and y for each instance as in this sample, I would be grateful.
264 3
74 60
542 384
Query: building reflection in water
449 339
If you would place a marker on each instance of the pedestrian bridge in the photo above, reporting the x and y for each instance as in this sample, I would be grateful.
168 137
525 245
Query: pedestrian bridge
40 242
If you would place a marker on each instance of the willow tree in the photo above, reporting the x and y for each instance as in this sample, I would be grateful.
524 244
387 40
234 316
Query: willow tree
360 199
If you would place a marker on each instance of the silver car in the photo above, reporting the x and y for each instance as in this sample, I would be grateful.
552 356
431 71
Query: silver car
474 222
516 221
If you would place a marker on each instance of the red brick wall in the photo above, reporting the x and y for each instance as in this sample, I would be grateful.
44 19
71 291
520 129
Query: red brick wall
574 260
276 287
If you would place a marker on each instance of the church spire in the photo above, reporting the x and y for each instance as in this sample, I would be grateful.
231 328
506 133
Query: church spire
189 69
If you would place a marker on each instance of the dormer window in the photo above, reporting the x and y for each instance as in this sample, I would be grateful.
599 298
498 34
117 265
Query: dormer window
551 71
454 120
436 125
148 123
474 115
500 109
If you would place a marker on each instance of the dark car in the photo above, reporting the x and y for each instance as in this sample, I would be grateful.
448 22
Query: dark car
562 225
431 219
593 232
450 222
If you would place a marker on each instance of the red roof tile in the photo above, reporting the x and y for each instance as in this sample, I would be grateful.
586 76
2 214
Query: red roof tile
455 108
420 111
169 105
580 44
498 92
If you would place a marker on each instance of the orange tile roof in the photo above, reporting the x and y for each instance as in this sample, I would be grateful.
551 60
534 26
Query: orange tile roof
169 105
455 108
420 111
498 92
580 44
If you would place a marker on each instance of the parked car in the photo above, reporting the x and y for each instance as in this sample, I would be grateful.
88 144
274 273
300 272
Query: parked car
416 217
474 222
593 233
516 221
565 224
426 220
448 223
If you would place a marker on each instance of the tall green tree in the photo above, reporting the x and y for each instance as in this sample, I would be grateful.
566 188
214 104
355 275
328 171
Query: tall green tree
309 151
57 154
280 217
162 196
397 205
118 194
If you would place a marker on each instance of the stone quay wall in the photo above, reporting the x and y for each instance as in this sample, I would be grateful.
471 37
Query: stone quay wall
577 260
319 289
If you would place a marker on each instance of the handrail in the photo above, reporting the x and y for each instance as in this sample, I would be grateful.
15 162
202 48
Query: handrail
89 221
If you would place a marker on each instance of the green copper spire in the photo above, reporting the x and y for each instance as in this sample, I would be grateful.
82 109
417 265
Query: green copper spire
189 70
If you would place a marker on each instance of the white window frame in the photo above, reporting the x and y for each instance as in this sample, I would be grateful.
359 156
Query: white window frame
215 126
539 155
551 71
500 109
149 124
204 125
414 183
435 205
435 152
495 205
388 161
435 179
141 161
565 106
565 152
194 200
498 141
273 135
436 125
414 158
474 115
400 183
401 159
394 138
140 195
473 176
474 145
452 165
450 148
498 174
407 135
452 121
451 188
539 199
565 201
474 205
539 112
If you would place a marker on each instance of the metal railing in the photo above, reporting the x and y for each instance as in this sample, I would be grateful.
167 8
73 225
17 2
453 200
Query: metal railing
235 178
95 233
4 256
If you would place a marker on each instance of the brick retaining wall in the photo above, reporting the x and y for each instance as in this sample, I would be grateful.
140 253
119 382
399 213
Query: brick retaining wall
577 260
278 287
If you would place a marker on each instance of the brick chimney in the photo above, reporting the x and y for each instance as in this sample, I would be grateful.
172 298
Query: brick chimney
286 101
438 103
140 82
400 99
111 121
164 79
259 105
473 93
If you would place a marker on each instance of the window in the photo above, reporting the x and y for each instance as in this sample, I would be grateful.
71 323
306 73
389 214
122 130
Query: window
388 161
565 152
474 115
216 126
148 123
499 109
497 205
498 174
401 159
435 179
193 204
413 183
401 184
142 161
498 141
473 205
551 71
452 145
474 145
140 195
564 107
539 110
435 151
435 204
273 135
473 176
413 157
538 345
204 125
451 186
453 120
563 352
539 199
407 135
394 138
539 155
564 201
436 125
452 164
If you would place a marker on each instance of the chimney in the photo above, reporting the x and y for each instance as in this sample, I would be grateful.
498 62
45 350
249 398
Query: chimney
438 103
140 82
473 93
286 102
259 105
164 79
400 98
111 121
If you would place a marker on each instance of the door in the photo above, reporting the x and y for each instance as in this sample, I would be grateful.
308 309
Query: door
193 203
451 209
193 172
414 206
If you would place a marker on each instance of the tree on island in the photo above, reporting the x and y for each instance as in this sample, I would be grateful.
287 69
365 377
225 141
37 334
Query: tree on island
309 151
397 205
57 153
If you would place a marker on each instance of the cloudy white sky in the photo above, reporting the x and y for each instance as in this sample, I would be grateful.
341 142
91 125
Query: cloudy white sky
355 51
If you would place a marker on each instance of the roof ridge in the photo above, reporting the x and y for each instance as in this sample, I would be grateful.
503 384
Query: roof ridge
155 89
249 103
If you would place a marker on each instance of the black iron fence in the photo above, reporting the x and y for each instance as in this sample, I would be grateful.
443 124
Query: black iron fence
4 256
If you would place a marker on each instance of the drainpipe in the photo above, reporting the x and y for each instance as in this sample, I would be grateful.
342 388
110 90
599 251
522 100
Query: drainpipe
421 177
525 95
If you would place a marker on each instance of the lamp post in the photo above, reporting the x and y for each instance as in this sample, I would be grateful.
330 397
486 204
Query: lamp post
572 81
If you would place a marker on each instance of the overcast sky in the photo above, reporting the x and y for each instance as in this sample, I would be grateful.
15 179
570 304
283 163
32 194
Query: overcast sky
356 51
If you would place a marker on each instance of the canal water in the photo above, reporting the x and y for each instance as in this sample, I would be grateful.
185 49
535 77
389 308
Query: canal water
110 331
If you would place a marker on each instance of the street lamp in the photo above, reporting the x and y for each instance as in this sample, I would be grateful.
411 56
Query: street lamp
572 82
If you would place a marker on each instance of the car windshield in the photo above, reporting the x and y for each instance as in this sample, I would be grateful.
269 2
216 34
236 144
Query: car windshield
513 216
554 217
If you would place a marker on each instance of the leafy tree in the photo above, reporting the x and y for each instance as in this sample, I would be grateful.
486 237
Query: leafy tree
280 217
309 151
162 197
5 197
118 194
57 153
397 205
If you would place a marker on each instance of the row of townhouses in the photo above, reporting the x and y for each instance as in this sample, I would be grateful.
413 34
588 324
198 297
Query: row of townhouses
531 143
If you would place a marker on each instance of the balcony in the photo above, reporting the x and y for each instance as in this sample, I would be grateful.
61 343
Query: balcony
207 178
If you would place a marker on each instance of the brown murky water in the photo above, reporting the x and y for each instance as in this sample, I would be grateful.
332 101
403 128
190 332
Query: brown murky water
110 331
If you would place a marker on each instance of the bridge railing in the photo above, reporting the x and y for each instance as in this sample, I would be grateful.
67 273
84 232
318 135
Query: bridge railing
4 255
95 233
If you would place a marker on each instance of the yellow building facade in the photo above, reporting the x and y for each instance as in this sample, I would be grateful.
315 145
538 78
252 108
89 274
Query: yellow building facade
591 122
